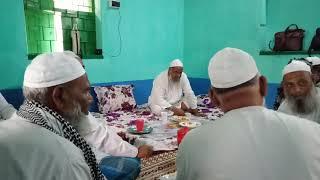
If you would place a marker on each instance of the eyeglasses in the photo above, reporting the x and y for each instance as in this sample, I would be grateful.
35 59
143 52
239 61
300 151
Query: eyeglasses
301 59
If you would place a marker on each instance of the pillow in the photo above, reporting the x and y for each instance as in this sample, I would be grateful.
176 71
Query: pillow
203 100
114 98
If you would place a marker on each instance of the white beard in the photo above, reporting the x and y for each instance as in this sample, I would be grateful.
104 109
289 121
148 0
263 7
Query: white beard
264 102
76 117
303 105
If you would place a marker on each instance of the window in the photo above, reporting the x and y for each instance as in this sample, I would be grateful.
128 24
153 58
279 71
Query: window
49 24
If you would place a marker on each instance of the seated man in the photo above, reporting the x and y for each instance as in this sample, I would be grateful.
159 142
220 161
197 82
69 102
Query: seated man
172 91
6 109
315 69
249 141
39 142
301 97
118 159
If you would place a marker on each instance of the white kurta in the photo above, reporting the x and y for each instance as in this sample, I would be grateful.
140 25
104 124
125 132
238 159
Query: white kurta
6 109
313 116
31 152
165 93
252 143
104 140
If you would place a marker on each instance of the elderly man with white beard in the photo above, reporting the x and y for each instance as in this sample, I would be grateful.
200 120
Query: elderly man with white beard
117 158
171 91
39 141
301 97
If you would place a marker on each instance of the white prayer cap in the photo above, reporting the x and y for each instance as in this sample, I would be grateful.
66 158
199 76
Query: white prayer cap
295 66
51 69
176 63
71 53
231 67
314 60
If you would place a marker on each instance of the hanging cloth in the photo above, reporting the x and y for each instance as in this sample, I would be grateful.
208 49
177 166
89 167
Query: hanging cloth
75 36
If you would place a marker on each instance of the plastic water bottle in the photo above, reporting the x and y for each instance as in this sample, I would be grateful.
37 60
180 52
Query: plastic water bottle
164 117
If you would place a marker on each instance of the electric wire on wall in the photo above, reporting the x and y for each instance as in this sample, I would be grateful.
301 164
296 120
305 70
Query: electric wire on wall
120 38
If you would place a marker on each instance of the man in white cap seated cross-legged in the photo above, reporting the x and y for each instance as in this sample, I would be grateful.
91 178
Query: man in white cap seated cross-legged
172 91
301 96
249 141
39 142
315 69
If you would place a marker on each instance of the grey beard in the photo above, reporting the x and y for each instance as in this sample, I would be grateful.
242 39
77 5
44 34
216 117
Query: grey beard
303 105
75 116
173 81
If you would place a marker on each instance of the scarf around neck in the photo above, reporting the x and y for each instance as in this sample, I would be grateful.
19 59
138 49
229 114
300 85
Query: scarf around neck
33 111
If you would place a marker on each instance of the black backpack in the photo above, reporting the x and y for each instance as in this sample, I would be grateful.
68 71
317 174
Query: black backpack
315 43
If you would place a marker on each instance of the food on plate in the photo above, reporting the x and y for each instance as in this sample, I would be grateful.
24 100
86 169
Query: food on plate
172 125
190 124
180 118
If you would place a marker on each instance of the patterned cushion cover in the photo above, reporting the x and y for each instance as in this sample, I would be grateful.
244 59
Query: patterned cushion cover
203 100
114 98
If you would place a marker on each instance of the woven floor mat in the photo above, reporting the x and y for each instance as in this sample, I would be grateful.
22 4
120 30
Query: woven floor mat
158 165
